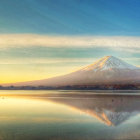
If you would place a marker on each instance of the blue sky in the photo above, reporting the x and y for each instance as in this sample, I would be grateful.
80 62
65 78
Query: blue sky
46 38
98 17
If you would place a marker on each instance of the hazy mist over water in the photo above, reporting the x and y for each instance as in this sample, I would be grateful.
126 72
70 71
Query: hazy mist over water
69 115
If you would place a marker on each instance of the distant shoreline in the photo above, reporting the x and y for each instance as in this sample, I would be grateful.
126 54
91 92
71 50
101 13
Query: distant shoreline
76 87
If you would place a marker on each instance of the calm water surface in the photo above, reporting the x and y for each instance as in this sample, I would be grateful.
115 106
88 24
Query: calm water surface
69 115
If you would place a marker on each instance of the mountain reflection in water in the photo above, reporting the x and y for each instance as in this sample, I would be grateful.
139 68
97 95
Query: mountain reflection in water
111 110
69 115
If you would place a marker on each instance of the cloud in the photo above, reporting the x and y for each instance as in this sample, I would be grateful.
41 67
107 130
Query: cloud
45 60
129 43
61 61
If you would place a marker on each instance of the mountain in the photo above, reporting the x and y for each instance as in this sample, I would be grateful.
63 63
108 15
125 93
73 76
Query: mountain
107 70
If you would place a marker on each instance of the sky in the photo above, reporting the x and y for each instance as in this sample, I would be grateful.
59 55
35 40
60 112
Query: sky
40 39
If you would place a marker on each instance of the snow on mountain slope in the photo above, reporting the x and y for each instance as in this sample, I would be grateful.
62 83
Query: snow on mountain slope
109 62
108 69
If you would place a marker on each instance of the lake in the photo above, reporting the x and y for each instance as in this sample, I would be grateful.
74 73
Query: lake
69 115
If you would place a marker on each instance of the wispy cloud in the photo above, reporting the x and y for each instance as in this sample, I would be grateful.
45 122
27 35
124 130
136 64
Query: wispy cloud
30 40
45 60
48 61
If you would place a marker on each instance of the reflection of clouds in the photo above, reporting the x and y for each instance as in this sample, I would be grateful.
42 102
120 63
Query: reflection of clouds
131 131
61 119
31 108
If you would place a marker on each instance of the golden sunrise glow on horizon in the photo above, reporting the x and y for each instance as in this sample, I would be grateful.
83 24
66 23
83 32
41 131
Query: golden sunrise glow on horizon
22 75
22 70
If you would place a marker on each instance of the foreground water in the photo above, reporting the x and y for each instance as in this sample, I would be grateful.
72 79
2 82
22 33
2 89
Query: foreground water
69 115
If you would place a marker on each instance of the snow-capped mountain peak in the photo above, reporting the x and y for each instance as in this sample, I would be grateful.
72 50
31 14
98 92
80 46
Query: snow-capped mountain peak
109 62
